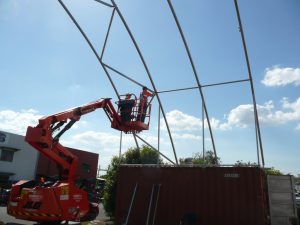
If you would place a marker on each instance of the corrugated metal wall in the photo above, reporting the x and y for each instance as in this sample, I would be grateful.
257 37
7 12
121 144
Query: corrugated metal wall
210 196
281 199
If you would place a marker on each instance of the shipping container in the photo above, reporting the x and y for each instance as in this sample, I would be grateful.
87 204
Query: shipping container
191 195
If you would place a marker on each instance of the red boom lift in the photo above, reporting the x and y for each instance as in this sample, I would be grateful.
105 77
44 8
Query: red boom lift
63 200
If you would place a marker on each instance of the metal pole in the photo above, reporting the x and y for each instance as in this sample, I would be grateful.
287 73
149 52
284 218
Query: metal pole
149 75
195 74
125 76
131 203
96 54
158 134
156 150
156 203
257 127
90 44
203 86
120 150
178 89
203 136
150 205
136 142
257 149
107 33
104 3
223 83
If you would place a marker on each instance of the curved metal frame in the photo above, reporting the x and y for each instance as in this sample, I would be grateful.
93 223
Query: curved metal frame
257 127
106 68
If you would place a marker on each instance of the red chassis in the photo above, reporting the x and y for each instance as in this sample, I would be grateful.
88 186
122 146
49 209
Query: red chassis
63 200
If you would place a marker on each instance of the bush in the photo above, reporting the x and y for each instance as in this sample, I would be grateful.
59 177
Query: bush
110 188
146 155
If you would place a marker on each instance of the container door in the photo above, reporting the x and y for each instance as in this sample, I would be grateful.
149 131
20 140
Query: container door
281 200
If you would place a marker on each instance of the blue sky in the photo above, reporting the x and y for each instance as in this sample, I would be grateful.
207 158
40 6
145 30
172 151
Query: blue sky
46 67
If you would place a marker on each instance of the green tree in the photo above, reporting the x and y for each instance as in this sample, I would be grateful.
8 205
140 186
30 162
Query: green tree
197 159
242 163
150 156
146 155
273 171
132 156
268 171
110 188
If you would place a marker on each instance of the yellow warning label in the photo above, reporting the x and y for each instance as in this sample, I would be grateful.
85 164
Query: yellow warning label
23 192
34 214
65 190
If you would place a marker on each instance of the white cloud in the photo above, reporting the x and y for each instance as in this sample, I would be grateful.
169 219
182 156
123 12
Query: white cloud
186 137
17 122
104 142
178 121
97 141
214 123
277 76
242 116
290 112
80 123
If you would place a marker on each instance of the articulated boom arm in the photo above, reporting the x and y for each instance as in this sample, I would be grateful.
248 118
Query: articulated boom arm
63 200
41 136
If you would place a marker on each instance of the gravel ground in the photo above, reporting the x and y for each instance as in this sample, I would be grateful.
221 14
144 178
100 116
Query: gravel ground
4 219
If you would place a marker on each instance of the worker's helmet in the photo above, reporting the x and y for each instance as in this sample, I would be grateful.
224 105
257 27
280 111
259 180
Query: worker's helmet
128 96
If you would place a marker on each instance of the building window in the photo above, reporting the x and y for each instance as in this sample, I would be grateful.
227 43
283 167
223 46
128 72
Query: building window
7 155
3 137
4 178
86 168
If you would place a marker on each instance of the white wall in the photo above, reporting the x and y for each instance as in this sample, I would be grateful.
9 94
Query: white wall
24 161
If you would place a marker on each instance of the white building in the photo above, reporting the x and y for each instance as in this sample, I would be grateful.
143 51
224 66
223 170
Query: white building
18 160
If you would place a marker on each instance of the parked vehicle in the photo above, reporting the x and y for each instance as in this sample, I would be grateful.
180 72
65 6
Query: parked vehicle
298 202
4 195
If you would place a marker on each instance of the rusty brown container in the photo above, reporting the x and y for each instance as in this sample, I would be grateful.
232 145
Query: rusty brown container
191 195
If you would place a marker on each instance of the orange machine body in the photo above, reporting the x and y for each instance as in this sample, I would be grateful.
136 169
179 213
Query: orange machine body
62 200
